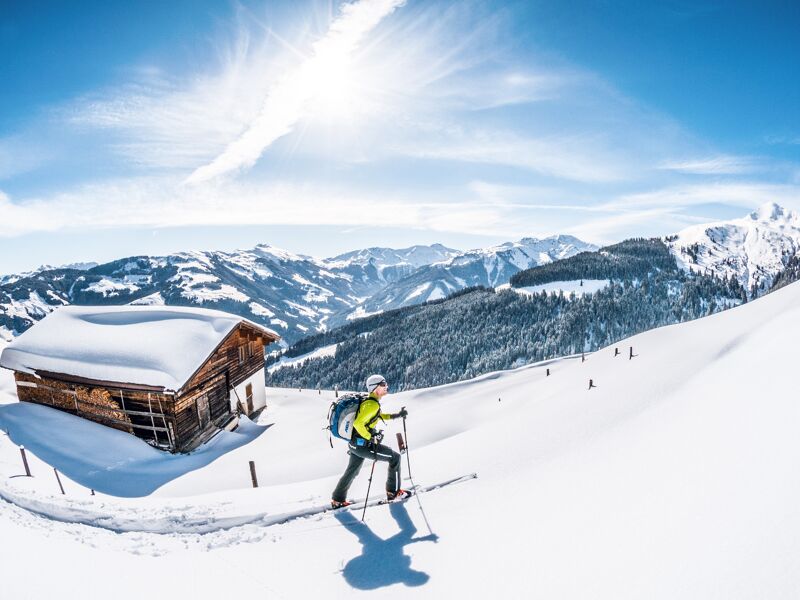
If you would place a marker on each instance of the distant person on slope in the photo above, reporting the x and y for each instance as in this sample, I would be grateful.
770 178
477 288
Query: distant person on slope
365 443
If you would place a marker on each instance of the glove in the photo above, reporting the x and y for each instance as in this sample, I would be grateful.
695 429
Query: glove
402 414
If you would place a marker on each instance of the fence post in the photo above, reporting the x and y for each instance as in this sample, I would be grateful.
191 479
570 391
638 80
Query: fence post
58 479
548 372
616 351
253 474
25 461
630 353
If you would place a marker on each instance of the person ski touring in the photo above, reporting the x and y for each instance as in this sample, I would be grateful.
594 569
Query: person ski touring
365 443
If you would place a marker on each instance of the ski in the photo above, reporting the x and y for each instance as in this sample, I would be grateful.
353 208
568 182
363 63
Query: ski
359 504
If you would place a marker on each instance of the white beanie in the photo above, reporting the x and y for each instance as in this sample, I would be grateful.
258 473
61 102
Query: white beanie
374 381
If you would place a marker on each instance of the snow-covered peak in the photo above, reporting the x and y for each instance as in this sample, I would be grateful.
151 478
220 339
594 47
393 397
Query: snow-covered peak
414 256
273 253
553 248
753 249
772 212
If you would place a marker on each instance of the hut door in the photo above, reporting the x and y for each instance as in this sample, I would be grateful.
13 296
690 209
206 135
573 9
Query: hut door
248 392
203 411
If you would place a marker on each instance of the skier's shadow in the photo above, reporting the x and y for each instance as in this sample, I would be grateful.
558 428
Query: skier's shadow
382 561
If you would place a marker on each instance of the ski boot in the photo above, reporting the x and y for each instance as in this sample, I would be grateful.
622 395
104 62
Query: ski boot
398 495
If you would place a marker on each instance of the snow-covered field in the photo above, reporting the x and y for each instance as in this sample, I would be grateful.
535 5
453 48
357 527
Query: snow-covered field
675 477
297 361
577 287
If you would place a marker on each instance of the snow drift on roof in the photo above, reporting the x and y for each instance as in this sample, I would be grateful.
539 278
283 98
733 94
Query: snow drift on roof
148 345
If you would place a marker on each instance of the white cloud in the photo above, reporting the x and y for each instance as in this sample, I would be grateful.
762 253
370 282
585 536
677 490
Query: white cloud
286 103
165 202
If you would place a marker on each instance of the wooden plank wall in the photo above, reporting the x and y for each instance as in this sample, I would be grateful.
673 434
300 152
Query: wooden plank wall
226 358
147 415
218 374
169 421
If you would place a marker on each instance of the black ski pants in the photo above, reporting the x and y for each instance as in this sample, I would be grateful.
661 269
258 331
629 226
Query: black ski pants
358 454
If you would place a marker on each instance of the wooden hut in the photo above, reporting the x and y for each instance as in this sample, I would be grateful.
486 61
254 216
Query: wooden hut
170 375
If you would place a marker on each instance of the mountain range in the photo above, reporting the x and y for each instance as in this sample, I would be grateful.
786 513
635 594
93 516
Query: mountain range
300 295
294 294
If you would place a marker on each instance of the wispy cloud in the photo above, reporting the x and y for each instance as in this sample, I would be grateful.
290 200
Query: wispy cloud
714 165
576 157
285 104
745 195
20 155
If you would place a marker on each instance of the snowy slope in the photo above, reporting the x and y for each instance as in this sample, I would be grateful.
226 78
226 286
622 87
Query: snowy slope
753 249
674 478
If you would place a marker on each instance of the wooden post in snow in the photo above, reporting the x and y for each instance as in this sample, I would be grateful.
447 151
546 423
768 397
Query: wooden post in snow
25 461
630 353
616 351
253 474
548 371
58 479
591 384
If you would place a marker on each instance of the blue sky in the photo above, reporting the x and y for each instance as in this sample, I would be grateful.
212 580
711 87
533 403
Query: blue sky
150 127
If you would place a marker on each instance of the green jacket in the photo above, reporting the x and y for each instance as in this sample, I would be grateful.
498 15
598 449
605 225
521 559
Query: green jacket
368 414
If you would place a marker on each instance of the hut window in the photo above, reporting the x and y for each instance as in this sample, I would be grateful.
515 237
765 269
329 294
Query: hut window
241 354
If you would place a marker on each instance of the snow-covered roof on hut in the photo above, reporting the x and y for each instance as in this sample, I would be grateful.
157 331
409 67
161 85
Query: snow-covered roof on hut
160 346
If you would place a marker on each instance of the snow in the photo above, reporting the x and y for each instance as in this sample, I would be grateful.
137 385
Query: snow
418 291
279 323
152 300
674 478
590 286
436 294
752 249
273 253
207 294
360 312
107 287
56 297
260 310
246 264
323 352
34 306
150 345
306 311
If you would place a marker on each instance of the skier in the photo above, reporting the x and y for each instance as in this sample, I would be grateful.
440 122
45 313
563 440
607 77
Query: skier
365 443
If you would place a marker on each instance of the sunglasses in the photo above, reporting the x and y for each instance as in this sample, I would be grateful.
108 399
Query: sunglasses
382 384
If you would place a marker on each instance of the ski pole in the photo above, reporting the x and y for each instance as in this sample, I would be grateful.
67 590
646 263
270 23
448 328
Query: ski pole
369 485
411 479
408 457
